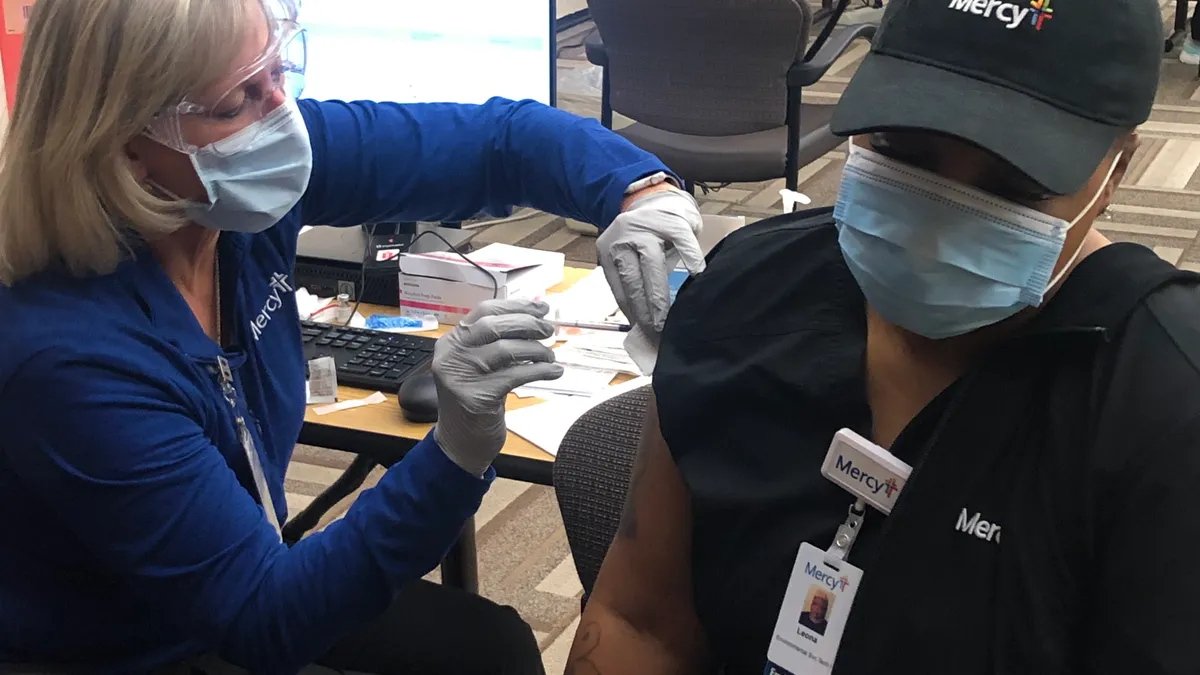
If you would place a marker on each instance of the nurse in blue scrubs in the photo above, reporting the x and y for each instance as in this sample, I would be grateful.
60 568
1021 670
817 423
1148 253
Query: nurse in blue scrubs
153 184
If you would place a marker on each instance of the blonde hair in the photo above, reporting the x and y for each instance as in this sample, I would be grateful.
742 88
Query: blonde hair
93 75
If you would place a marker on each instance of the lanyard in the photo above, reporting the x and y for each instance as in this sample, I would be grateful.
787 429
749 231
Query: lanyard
247 441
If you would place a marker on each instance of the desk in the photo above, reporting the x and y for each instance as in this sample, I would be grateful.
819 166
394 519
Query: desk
379 435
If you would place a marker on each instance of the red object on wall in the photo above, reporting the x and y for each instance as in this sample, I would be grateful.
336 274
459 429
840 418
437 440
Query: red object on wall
13 18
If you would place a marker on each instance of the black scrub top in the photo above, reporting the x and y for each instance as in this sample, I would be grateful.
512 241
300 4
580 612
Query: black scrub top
762 362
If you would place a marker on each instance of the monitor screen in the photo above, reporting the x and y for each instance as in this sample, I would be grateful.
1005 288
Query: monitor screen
411 51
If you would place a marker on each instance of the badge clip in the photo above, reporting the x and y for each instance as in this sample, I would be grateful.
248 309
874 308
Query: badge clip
847 533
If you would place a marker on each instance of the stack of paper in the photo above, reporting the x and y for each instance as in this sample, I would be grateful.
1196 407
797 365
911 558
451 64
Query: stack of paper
546 424
599 350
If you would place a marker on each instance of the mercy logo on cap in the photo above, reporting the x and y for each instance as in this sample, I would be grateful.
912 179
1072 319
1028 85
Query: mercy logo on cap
1009 13
1041 12
962 68
1012 15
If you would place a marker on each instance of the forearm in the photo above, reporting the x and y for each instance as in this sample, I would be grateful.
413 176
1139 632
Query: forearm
607 644
567 165
386 162
347 574
641 617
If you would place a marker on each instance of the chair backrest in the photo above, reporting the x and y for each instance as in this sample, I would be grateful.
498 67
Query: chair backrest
702 67
591 477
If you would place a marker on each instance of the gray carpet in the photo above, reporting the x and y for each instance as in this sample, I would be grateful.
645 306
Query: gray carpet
524 559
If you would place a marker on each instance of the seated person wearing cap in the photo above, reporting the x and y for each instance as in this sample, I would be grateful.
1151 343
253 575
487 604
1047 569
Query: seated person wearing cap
958 309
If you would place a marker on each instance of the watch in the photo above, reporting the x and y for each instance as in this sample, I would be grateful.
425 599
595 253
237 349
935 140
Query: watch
650 181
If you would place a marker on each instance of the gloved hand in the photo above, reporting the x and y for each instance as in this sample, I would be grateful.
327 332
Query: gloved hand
634 254
476 365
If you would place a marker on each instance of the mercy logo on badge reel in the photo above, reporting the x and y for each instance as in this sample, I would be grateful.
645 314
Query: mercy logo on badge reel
865 470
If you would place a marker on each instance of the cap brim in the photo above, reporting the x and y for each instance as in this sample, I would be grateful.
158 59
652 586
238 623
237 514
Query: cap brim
1057 149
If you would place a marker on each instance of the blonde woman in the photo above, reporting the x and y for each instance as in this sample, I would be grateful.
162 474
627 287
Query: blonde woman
152 186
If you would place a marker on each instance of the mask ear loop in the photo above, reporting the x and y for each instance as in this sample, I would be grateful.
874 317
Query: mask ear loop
1079 249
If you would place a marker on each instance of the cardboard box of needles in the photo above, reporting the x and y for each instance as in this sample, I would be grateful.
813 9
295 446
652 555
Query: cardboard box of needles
448 286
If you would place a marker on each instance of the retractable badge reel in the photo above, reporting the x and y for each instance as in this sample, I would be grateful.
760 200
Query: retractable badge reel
823 585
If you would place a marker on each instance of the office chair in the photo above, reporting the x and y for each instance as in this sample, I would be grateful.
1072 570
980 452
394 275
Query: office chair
714 86
1179 31
591 477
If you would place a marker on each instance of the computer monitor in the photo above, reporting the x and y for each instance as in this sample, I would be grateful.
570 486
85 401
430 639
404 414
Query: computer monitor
414 51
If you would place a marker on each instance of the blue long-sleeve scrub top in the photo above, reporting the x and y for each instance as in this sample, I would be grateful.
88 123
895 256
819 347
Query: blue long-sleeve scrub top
131 535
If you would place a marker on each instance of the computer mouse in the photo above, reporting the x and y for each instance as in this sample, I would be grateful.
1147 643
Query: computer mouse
418 398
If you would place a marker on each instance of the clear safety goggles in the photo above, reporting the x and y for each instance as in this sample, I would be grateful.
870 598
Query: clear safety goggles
281 68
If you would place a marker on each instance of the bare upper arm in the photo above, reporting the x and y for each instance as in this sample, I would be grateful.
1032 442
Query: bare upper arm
646 578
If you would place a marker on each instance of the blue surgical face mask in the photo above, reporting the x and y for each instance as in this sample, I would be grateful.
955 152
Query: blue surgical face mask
940 258
256 176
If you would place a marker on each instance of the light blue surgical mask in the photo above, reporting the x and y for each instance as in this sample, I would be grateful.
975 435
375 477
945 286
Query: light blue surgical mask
940 258
256 176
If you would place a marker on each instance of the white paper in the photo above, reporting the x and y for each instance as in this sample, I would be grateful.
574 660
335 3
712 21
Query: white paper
522 392
610 341
589 299
576 381
571 356
642 349
600 350
373 399
546 424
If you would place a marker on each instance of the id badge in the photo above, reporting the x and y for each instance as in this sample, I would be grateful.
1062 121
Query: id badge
814 614
865 470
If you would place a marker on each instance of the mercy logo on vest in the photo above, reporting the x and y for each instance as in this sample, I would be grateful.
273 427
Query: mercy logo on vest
280 287
1008 13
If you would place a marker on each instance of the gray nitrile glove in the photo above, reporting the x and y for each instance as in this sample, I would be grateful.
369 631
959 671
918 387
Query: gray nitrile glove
476 365
633 252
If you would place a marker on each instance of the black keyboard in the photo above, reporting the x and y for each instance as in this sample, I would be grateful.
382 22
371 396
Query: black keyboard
369 359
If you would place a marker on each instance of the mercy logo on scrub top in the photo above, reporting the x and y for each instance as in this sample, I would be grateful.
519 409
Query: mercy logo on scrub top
280 287
1010 14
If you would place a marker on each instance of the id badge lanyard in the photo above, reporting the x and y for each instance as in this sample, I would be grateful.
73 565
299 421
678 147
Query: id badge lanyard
247 442
847 534
823 585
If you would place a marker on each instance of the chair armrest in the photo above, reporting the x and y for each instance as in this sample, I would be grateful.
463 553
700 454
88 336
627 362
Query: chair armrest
806 73
594 46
